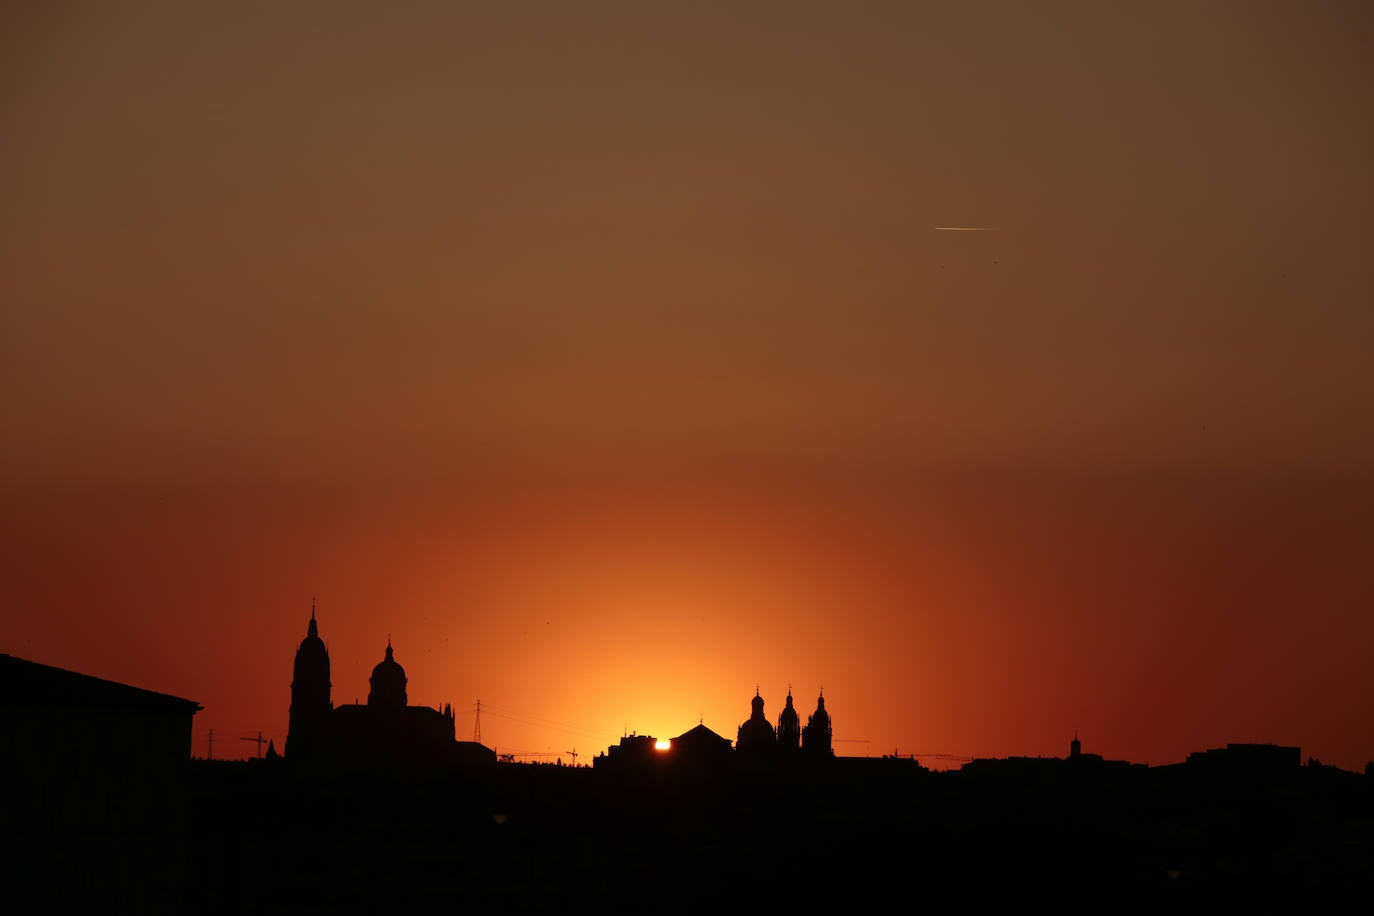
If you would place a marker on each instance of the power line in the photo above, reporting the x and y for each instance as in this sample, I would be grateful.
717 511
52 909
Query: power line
542 720
538 723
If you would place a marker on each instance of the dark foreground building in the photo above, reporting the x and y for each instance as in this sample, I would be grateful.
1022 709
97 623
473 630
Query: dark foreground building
798 834
95 793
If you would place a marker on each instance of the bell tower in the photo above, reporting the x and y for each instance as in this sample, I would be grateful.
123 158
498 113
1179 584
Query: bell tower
817 735
789 725
310 703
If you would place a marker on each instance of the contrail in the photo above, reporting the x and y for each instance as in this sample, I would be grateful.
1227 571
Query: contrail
965 229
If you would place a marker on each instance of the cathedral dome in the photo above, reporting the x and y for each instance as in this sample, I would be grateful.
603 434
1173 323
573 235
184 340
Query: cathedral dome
388 683
756 734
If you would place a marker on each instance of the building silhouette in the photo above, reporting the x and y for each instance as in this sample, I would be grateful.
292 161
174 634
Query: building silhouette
386 732
755 742
756 735
789 727
632 751
308 721
700 745
97 793
1246 759
818 734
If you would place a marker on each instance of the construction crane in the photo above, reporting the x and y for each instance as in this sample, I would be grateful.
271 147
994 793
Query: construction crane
259 741
573 754
864 741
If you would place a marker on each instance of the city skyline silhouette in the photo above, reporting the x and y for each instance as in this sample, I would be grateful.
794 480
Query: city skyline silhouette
612 360
379 805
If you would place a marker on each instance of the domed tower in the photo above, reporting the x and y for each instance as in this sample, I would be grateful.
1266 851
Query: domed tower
789 726
310 704
817 734
756 734
388 683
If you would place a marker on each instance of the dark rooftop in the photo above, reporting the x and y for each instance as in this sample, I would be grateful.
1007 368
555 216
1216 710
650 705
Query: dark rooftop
26 683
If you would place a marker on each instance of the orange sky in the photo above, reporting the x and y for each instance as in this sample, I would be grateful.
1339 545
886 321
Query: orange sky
609 360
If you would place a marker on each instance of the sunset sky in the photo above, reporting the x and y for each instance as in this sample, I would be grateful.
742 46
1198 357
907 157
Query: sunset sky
607 357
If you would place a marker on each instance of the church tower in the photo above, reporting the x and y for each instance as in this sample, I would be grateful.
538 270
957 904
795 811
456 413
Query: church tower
310 704
789 726
816 737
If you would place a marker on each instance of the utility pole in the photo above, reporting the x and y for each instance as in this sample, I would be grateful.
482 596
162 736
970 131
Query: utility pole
477 725
210 753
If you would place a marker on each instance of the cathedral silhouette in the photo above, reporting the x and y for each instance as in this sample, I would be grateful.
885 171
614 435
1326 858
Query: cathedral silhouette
757 736
386 732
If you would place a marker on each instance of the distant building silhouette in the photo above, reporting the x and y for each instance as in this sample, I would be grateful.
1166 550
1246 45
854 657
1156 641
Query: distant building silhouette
386 732
1246 759
1078 758
756 740
695 748
1046 770
700 745
757 736
633 750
